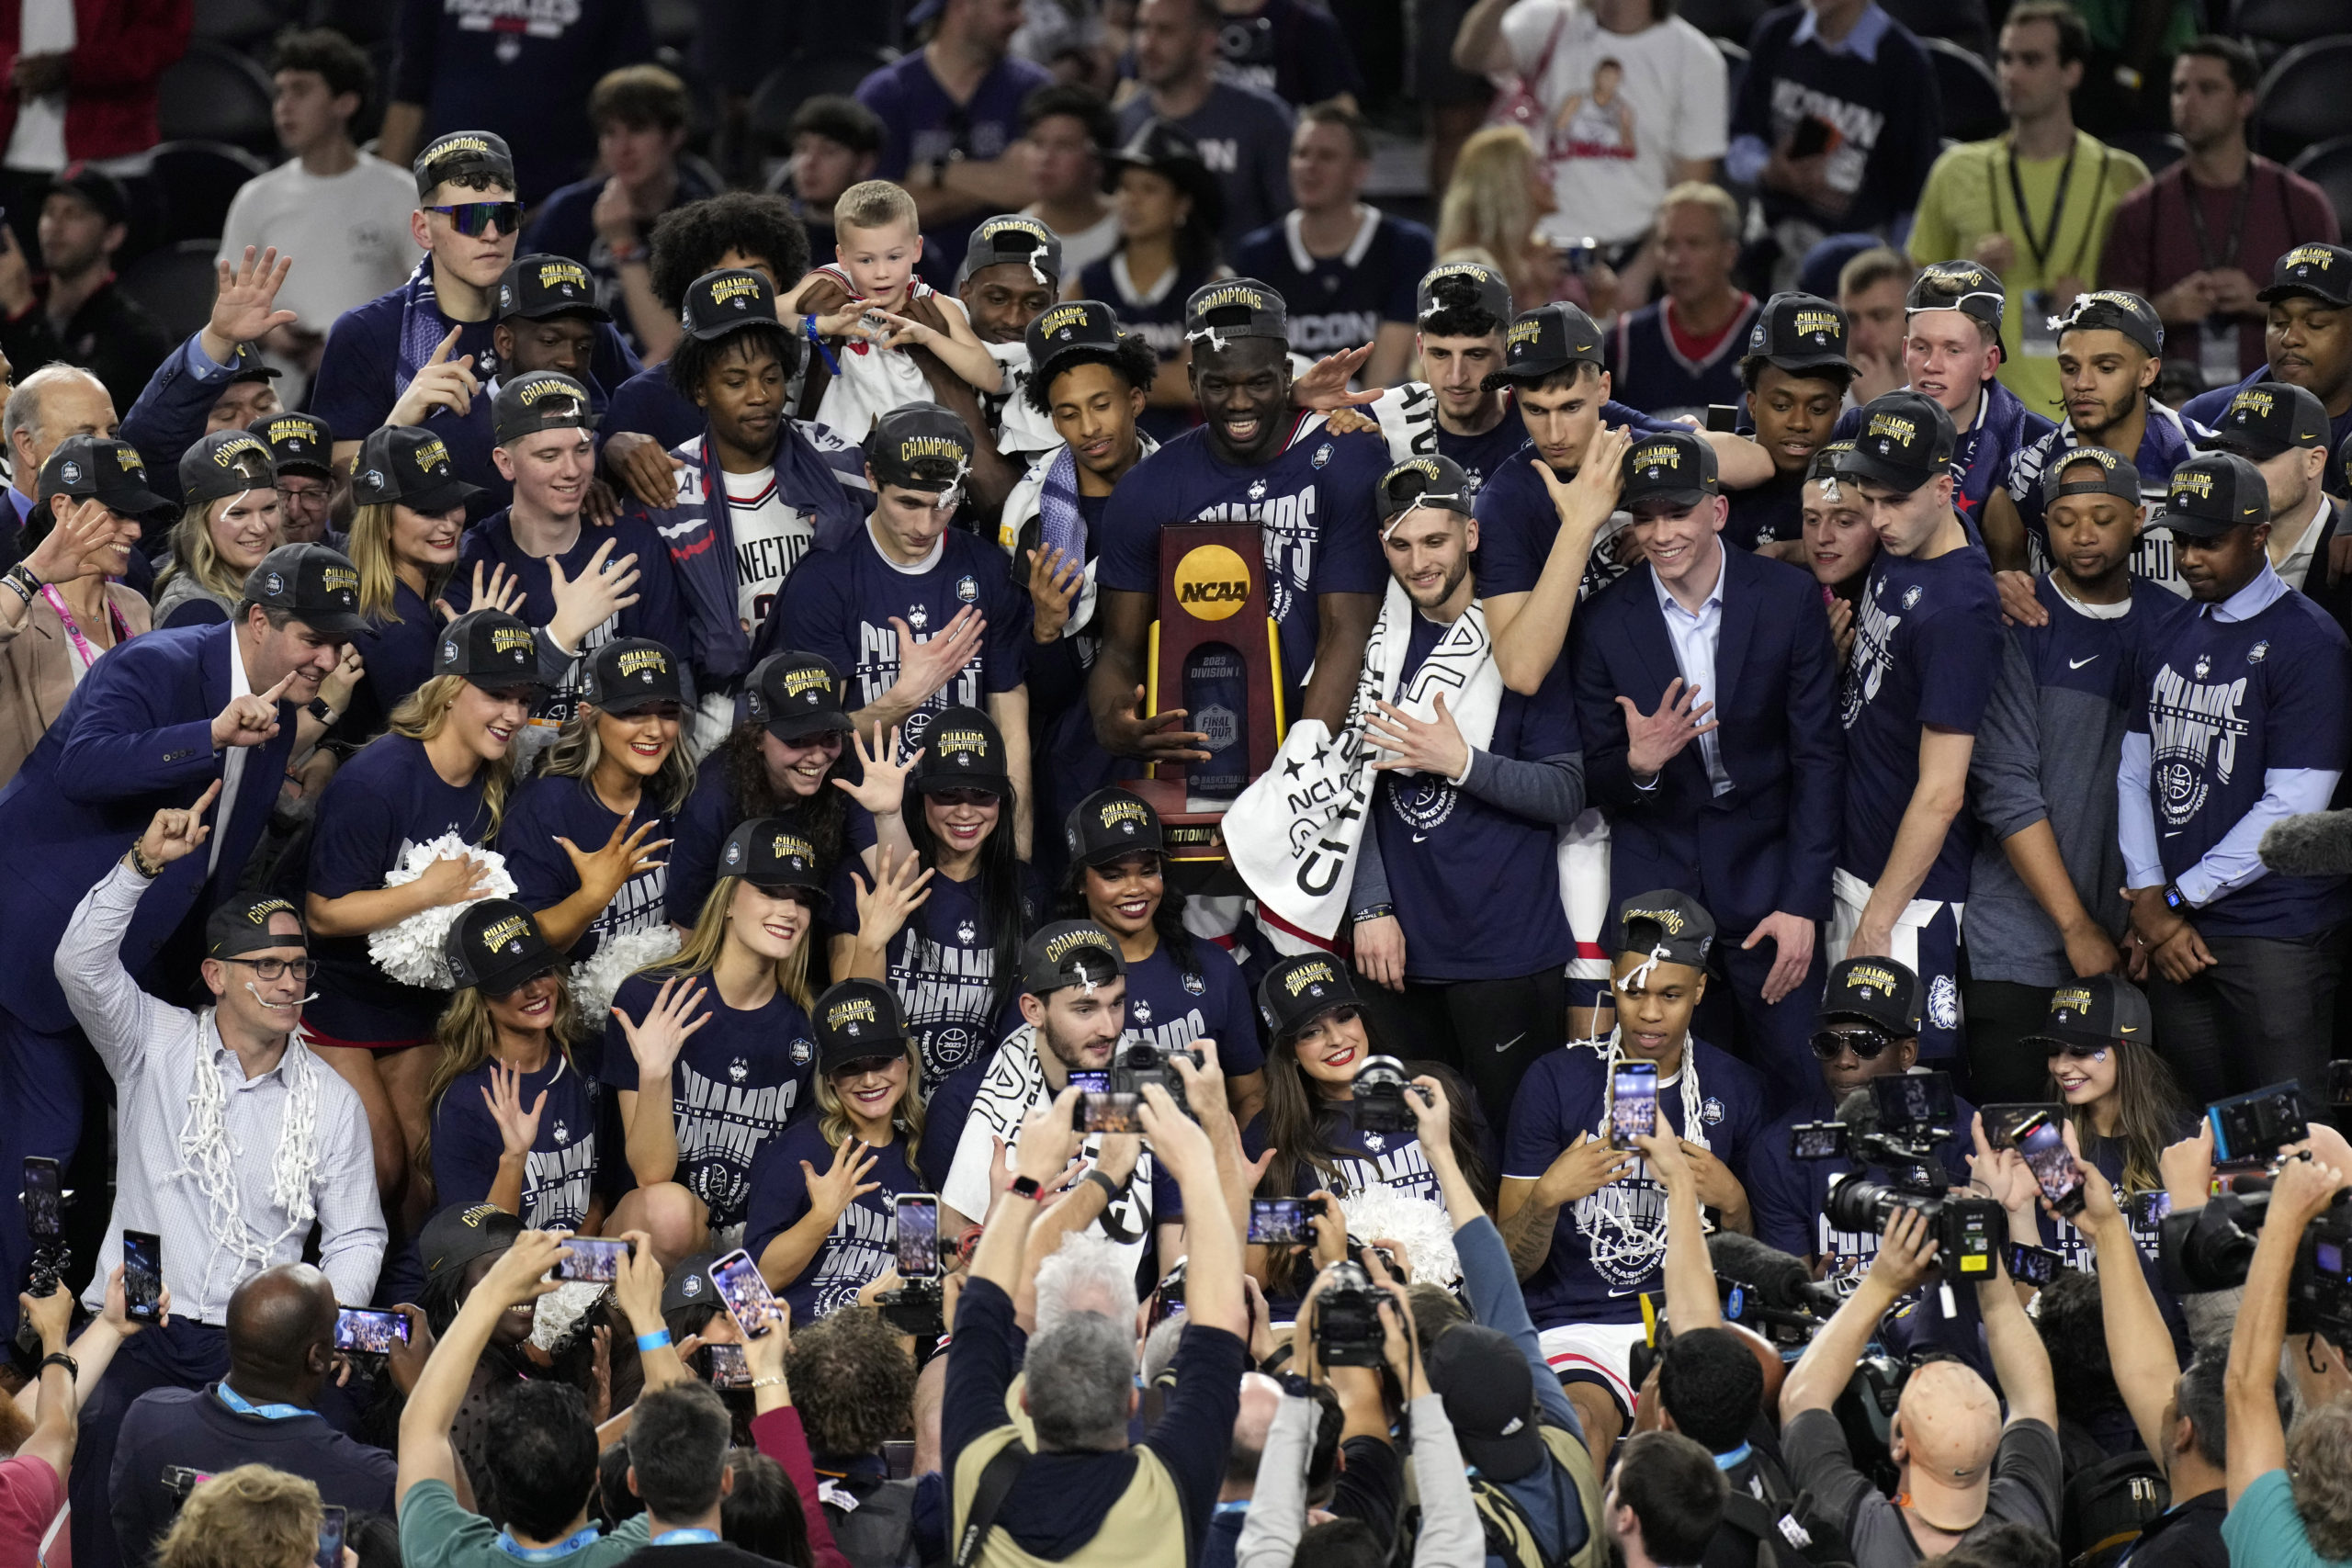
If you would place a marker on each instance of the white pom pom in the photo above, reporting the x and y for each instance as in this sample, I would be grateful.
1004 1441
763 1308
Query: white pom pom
411 952
617 958
1422 1228
559 1311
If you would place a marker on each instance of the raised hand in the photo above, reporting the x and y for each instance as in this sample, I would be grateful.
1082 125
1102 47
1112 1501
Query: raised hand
843 1182
175 833
59 557
1654 739
1432 745
1581 1169
625 854
518 1129
900 888
252 720
501 592
1159 738
1324 385
1586 501
1054 582
454 879
636 1285
520 1273
1906 1253
586 601
1432 1114
244 302
881 783
926 667
656 1041
439 382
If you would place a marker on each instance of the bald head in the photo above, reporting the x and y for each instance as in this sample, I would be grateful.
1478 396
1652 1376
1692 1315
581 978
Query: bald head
1950 1426
281 1330
1260 1397
53 403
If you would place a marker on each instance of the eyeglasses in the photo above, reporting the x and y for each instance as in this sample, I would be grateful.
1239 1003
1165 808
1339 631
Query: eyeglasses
1865 1043
474 219
268 969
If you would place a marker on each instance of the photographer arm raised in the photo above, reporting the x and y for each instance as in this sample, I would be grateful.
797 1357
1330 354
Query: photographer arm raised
2139 1345
1906 1258
2305 1190
1690 1298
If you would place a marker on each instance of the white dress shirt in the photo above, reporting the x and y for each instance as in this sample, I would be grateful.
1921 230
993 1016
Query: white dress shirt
1695 636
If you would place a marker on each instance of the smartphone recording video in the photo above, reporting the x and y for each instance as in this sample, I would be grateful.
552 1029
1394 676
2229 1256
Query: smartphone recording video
1632 1106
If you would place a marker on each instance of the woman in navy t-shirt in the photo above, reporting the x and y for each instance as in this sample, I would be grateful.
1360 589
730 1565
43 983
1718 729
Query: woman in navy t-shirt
513 1124
444 768
2125 1105
712 1050
404 536
1170 208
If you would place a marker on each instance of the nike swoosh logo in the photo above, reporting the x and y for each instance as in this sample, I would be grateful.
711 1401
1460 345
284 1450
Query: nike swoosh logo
2079 663
1420 838
1511 1042
1628 1290
2175 832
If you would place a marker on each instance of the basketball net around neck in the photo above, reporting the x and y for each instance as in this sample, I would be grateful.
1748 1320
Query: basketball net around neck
207 1157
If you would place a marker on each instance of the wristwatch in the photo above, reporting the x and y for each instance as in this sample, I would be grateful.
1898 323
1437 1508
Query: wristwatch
1025 1187
319 710
2176 900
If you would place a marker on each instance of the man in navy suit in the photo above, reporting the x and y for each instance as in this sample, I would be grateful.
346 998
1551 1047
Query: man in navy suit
151 726
1706 686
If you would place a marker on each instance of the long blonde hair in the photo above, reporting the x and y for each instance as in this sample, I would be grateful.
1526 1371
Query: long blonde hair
467 1037
195 555
699 955
370 548
420 717
251 1514
832 1117
1490 206
577 749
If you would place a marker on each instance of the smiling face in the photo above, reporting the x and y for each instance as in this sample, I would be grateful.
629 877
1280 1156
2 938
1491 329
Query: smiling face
244 528
641 742
304 504
112 552
769 923
1681 544
550 469
961 819
1003 300
1654 1008
871 1089
1095 411
1793 415
1244 392
798 767
268 1007
743 394
1561 418
561 343
528 1007
1079 1025
1429 552
427 539
2085 1080
2103 377
514 1324
1840 542
487 722
1947 355
1458 368
1330 1049
296 648
879 261
1123 895
2309 342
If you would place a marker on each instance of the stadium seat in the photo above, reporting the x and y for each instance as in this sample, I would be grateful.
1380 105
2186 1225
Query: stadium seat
2328 165
2302 99
214 94
197 180
797 80
2290 21
1972 98
241 22
175 284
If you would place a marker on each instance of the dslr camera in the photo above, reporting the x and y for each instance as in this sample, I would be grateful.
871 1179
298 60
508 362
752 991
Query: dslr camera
1897 1124
917 1307
1347 1320
1381 1085
1139 1062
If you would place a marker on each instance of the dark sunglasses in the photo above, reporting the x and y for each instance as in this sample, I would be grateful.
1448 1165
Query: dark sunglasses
863 1065
271 969
474 218
1865 1043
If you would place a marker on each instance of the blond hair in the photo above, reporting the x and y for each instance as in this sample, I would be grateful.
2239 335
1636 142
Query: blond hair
370 548
577 749
468 1037
195 555
875 204
1713 198
832 1117
1490 206
699 953
252 1516
422 715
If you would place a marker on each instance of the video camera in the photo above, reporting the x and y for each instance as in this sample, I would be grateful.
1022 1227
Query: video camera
1348 1331
1897 1122
917 1307
1381 1085
2209 1248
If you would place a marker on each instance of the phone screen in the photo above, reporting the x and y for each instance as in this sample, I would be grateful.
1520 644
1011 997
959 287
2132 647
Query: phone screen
2044 1148
142 1274
1278 1222
727 1368
331 1522
745 1294
362 1328
1102 1110
2002 1121
918 1221
44 1200
1817 1142
2035 1265
593 1258
1633 1109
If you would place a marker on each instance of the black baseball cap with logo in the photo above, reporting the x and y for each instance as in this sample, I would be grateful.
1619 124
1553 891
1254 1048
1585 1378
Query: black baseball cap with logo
857 1020
1010 238
1666 925
1301 990
1962 285
772 853
963 749
2097 1012
85 182
1069 953
797 695
1463 286
99 467
2210 495
726 301
1799 332
1674 469
246 364
2271 417
1829 461
299 443
1235 308
1548 338
2320 272
1110 825
1876 991
1434 480
542 287
317 585
1163 147
460 154
226 462
408 464
496 946
2119 311
909 445
1906 440
242 926
456 1237
1075 326
2090 470
629 675
1488 1392
491 649
544 399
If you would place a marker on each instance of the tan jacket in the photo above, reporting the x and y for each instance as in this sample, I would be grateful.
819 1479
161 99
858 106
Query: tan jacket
37 665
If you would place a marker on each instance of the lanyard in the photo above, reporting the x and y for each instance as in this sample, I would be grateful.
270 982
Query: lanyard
82 648
2196 204
684 1538
1736 1456
564 1547
238 1403
2040 249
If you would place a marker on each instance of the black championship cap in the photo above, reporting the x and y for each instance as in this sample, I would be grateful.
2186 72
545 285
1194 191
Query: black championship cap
460 154
495 946
226 462
2209 496
771 854
545 400
857 1020
689 1286
629 675
106 195
1163 147
409 464
87 467
540 288
299 443
2116 311
491 649
721 302
1423 482
1462 286
2321 272
1489 1395
1110 825
1829 460
2097 1012
456 1237
1958 286
1235 308
242 926
1299 990
963 749
1905 441
797 695
1875 991
1674 469
1800 332
1670 927
2271 417
2090 470
1011 239
910 445
317 585
1069 953
1549 338
1068 328
247 364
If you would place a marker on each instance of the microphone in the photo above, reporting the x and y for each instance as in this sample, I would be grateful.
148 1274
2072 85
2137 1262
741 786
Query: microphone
1859 1112
2316 843
276 1007
1781 1282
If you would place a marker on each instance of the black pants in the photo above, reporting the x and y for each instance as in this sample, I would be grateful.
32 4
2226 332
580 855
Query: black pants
1488 1030
2000 1014
1772 1037
2264 1013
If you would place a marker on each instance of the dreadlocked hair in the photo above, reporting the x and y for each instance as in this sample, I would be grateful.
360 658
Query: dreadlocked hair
1133 359
467 1038
1167 920
695 360
822 817
580 746
1002 905
700 954
420 717
2149 1110
1300 1123
906 1117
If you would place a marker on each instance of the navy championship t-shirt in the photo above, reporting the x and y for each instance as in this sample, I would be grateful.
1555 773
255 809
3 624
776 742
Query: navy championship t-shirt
355 391
1610 1248
1173 1006
561 1166
1518 524
1785 1195
862 1242
943 969
740 1079
1315 504
1926 651
548 807
1339 302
